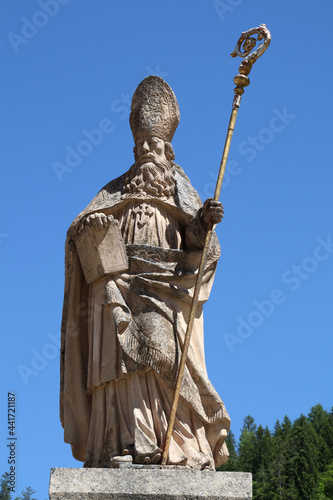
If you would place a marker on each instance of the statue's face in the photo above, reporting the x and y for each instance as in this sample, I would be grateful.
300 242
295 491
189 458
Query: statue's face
151 147
152 171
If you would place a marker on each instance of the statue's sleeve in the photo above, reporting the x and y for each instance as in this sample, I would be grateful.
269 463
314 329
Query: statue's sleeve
195 237
190 202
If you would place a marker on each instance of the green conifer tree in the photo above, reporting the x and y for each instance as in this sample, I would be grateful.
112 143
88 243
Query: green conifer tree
327 434
325 484
247 443
286 427
5 491
318 417
302 463
263 457
277 468
26 494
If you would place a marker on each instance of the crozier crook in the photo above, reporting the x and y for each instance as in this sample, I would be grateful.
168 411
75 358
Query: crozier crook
243 49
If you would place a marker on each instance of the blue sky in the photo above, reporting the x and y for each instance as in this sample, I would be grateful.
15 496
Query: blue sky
70 67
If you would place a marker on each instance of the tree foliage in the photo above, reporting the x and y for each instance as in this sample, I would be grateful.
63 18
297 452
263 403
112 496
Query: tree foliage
5 493
292 462
27 494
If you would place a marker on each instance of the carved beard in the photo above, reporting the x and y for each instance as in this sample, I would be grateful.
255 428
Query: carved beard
150 177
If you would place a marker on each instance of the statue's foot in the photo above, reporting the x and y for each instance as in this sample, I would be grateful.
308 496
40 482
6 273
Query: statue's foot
149 458
155 459
121 460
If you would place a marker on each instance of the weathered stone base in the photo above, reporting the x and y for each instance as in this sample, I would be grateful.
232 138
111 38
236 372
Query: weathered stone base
141 483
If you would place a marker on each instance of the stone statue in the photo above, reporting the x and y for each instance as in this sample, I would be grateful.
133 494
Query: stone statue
131 262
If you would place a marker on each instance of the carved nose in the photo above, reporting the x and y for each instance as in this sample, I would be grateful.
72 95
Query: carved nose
145 147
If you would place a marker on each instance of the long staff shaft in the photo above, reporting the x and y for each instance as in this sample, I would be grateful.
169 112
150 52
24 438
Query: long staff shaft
197 291
245 43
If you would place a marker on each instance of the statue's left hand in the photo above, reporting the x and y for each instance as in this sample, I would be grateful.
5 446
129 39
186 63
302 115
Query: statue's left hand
98 220
212 211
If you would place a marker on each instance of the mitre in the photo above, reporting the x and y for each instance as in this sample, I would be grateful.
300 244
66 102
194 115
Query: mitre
154 110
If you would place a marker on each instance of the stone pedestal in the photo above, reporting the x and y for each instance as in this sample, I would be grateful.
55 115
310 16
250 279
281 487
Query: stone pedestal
149 482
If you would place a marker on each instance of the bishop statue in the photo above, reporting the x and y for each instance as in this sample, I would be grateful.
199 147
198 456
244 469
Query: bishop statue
131 261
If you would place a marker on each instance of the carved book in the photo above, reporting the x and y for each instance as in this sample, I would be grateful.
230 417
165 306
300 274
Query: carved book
101 251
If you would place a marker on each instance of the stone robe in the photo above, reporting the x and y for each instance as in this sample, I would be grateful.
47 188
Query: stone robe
122 337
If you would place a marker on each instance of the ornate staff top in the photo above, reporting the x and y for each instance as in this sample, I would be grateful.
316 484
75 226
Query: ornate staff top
243 49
